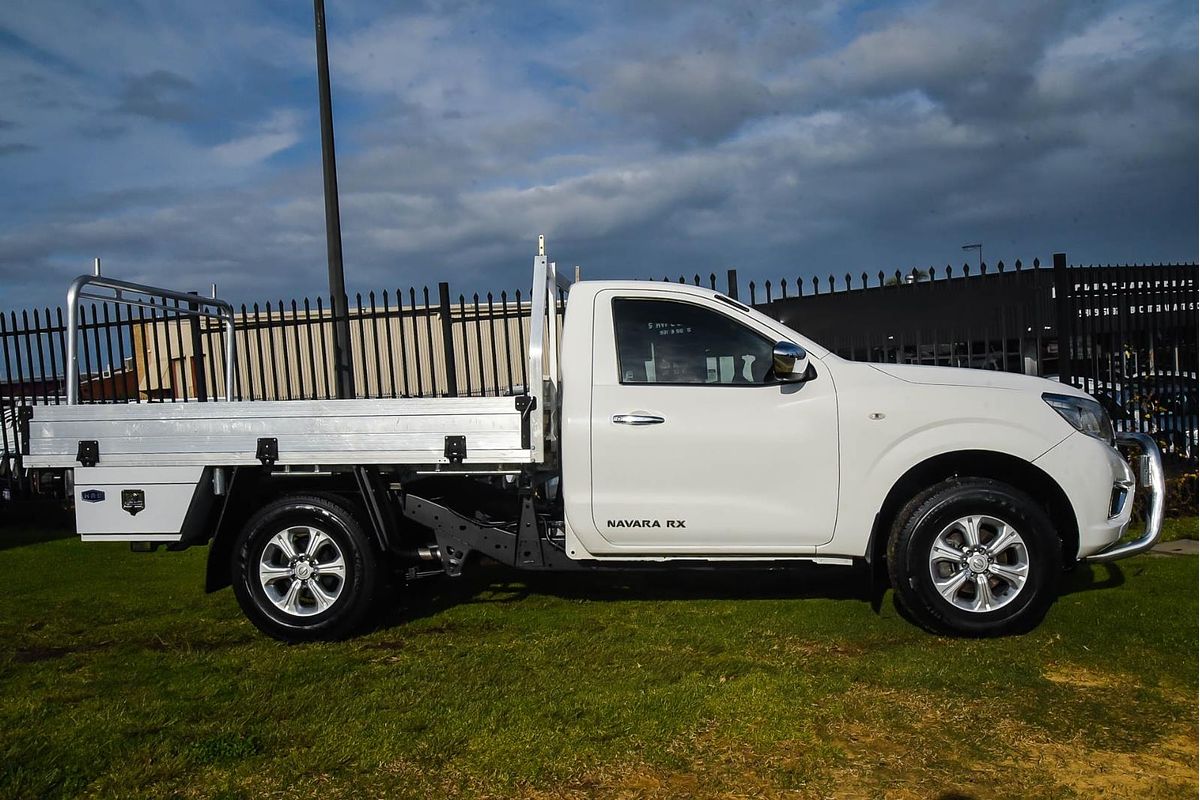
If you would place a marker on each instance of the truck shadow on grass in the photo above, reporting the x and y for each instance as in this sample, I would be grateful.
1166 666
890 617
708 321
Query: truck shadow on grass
23 527
489 582
1084 578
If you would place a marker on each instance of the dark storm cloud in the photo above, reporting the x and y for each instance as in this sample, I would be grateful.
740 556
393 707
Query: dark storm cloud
685 99
160 95
102 130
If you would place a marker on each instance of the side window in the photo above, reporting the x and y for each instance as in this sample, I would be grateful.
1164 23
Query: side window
661 341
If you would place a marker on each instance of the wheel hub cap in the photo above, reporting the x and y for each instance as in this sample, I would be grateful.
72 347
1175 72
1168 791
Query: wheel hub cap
979 563
302 571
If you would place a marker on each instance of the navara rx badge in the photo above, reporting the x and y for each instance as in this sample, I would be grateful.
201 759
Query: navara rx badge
92 496
133 500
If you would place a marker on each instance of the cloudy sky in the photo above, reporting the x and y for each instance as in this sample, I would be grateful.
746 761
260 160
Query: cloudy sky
179 140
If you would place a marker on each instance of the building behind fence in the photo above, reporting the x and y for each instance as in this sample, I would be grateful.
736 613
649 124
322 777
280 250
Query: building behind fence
1126 334
282 351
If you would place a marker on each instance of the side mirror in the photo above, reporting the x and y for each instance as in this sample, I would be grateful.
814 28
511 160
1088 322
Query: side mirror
790 362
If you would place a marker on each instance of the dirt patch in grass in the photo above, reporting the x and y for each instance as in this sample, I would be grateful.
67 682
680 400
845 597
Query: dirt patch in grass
1165 768
936 747
643 782
1079 677
821 647
921 745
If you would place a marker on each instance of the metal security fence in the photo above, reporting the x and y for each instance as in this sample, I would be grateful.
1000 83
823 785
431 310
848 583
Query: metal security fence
403 344
987 318
1129 333
1126 334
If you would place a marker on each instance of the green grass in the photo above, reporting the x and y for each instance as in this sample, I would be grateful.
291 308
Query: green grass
119 677
1180 528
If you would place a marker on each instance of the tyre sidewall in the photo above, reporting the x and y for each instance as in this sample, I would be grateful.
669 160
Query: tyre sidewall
339 524
992 499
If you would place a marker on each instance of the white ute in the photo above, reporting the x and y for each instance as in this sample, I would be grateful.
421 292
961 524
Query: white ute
675 428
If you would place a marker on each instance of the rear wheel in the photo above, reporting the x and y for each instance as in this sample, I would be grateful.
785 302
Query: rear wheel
974 557
304 570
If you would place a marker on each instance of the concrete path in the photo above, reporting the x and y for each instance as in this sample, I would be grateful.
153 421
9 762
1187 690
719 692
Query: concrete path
1179 547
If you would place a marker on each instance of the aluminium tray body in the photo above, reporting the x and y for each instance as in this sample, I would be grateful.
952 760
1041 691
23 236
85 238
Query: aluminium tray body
308 432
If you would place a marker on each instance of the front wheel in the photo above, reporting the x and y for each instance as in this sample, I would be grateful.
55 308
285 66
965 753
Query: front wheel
974 557
304 569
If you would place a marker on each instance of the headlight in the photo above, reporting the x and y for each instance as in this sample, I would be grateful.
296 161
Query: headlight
1084 415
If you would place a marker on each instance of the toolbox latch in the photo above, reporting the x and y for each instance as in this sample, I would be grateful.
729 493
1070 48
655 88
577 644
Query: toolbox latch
89 452
268 451
456 449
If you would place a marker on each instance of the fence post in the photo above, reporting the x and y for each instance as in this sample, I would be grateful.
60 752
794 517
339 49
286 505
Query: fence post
197 352
1062 307
731 278
448 339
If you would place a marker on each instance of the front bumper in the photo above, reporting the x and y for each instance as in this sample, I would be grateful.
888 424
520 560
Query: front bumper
1149 477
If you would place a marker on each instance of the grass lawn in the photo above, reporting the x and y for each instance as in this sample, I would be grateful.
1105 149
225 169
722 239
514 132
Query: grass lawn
119 677
1179 528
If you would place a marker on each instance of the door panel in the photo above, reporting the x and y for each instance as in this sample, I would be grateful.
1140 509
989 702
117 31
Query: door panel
737 464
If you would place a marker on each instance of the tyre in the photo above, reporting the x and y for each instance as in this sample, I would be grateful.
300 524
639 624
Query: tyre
304 570
974 557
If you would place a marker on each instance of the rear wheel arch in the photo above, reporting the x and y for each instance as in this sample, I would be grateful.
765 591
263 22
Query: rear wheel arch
249 491
243 496
1009 469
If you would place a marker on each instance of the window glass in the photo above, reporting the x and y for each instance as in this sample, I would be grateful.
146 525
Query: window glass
660 341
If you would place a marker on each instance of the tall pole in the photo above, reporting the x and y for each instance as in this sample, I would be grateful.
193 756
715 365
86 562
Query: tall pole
342 369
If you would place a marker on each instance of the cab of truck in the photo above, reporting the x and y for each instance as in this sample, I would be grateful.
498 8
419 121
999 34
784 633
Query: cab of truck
685 434
695 427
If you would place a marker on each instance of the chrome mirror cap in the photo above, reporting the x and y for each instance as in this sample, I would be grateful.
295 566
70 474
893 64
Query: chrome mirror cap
790 362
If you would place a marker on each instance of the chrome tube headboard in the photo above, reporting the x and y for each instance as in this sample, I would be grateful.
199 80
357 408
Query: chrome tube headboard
219 310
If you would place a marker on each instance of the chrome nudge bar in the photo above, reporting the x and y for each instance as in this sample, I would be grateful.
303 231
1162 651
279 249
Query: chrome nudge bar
196 305
1150 474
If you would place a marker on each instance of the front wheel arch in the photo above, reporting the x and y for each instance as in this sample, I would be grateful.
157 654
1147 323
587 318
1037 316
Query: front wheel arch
1016 472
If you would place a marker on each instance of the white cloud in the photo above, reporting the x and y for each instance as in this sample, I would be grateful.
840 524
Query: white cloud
1110 49
273 135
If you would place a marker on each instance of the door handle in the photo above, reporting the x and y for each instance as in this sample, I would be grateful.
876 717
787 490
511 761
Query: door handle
637 419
